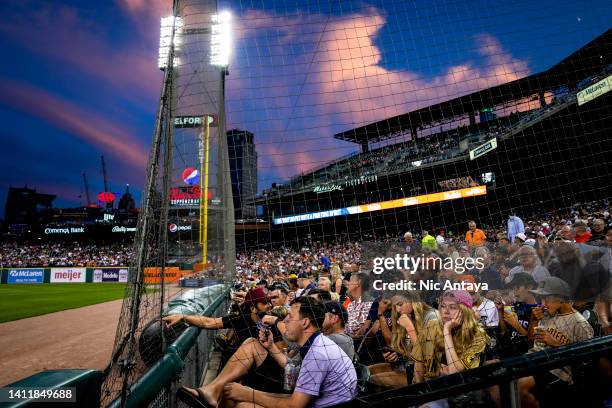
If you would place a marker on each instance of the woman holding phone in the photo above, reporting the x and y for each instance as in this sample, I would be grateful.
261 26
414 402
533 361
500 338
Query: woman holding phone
409 317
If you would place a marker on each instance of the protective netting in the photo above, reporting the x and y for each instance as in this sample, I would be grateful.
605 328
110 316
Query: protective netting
185 229
443 180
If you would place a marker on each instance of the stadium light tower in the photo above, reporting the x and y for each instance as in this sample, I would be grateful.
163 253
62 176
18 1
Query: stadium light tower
220 51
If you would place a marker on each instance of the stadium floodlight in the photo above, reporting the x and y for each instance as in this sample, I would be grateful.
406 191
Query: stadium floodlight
221 39
168 24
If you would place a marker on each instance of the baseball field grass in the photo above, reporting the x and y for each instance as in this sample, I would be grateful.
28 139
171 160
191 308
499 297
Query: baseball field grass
21 301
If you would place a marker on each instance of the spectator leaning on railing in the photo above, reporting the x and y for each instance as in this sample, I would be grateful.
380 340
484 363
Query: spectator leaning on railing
326 376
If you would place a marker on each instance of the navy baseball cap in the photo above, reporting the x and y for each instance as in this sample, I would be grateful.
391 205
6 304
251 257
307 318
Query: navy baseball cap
337 309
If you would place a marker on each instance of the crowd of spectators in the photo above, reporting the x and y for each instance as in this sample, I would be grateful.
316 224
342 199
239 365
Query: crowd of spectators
547 277
310 327
60 253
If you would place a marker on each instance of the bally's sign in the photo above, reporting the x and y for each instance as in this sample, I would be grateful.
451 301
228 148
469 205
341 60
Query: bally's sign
195 121
124 229
328 188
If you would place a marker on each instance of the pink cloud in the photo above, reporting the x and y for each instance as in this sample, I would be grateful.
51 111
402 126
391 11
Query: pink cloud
345 85
156 8
87 126
145 16
60 33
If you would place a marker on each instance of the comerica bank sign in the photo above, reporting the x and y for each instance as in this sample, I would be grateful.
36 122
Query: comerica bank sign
71 230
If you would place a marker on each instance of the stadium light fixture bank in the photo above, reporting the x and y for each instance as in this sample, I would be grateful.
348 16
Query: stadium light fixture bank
168 25
221 39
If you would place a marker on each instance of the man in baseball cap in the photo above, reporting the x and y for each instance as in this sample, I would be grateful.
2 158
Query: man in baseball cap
562 325
305 284
520 238
553 286
258 299
333 327
256 304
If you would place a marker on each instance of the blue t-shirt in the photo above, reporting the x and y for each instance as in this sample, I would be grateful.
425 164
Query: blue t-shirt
325 261
327 374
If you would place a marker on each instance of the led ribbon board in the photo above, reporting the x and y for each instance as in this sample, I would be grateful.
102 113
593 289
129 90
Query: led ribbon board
386 205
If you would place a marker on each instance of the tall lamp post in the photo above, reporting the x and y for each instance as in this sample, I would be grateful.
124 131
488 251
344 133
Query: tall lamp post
221 39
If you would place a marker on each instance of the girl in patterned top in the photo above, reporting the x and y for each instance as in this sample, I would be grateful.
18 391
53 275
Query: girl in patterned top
409 317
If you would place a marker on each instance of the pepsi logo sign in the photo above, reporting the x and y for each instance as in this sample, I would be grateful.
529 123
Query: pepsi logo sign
175 228
191 176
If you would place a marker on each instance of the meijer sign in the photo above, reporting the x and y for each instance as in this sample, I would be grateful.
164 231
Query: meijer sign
68 275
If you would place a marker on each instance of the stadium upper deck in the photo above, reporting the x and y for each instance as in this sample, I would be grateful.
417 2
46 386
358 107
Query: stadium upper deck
547 156
551 88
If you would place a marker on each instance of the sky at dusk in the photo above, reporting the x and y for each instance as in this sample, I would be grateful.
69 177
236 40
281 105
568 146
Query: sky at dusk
80 79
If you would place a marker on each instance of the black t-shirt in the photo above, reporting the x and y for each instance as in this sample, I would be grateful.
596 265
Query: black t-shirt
242 324
244 327
375 347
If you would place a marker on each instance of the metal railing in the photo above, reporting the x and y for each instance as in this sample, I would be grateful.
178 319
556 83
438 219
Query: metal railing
504 373
184 362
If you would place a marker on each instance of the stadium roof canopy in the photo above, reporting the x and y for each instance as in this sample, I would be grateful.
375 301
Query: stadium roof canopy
588 60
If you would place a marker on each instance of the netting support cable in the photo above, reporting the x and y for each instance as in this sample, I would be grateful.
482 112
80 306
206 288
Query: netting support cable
204 165
229 247
148 212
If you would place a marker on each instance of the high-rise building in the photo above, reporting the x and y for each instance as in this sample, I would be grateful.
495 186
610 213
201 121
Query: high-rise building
243 169
26 206
127 203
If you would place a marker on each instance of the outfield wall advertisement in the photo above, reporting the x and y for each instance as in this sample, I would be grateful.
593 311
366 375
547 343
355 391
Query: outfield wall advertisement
68 275
110 275
35 275
32 275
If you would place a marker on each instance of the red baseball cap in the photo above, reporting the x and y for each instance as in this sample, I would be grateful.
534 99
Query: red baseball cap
254 296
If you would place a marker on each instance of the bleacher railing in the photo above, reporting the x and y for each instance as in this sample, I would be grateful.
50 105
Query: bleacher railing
184 362
504 373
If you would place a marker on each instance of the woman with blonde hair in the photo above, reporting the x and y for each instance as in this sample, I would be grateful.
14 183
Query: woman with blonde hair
409 316
325 284
450 345
337 282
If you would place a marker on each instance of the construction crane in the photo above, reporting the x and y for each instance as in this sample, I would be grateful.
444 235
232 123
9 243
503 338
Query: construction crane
110 203
86 186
